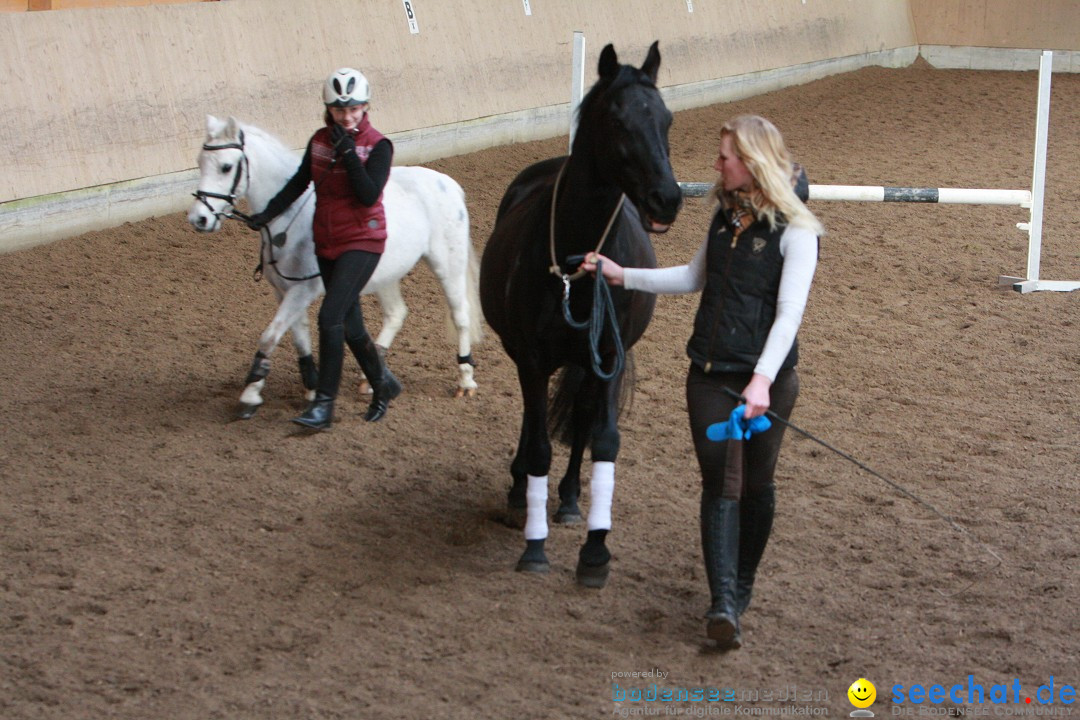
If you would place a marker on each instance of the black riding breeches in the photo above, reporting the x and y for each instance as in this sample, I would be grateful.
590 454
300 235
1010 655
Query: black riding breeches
734 469
340 316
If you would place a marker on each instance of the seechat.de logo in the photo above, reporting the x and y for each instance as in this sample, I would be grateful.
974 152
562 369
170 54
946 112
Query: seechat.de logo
862 694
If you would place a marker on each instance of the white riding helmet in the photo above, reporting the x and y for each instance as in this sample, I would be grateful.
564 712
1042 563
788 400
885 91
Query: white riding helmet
345 88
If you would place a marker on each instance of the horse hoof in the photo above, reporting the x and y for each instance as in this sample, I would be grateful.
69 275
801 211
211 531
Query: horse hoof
592 576
532 566
568 517
465 393
365 388
246 411
515 518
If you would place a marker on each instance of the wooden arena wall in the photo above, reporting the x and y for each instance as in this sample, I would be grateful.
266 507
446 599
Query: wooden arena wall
105 107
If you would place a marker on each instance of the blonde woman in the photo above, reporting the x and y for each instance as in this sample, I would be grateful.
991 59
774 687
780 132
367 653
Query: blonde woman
754 273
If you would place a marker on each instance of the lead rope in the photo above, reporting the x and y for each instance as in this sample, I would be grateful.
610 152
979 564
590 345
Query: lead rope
602 305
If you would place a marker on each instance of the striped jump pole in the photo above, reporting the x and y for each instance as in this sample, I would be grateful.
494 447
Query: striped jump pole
880 193
1031 199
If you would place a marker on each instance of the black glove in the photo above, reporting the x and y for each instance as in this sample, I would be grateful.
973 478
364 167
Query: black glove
343 141
258 221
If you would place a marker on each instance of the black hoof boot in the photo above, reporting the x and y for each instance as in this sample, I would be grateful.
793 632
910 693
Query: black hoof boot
383 393
594 561
318 414
533 559
592 576
568 513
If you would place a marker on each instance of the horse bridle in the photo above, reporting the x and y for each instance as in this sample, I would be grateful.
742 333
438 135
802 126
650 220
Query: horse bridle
203 195
233 213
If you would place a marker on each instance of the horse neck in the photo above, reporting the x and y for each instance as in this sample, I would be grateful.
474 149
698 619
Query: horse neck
270 166
584 206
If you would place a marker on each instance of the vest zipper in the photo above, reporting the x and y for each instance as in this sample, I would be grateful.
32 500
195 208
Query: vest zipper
720 305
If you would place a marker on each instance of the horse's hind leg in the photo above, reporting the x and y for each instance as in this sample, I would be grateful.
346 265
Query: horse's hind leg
394 311
309 371
570 486
455 267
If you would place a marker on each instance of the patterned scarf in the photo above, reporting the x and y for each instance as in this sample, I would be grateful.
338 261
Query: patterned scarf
741 207
741 213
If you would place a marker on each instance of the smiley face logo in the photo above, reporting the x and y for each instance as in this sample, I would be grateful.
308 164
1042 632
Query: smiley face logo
862 693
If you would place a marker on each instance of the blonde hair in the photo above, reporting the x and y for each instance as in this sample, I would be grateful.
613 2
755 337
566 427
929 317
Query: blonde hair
761 148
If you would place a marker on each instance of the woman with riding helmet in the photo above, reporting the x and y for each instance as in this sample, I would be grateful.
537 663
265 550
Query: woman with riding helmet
350 163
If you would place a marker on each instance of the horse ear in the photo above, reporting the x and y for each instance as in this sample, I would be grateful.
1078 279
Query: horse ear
609 62
214 127
652 61
232 128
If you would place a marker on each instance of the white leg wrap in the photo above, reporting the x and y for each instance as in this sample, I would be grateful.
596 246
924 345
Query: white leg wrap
536 493
601 490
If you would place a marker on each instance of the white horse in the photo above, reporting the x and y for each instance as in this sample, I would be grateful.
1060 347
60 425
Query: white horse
425 217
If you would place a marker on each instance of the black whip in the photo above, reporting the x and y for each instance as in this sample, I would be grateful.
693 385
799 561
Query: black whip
896 486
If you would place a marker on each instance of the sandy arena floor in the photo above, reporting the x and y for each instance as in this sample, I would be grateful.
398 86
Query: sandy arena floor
159 561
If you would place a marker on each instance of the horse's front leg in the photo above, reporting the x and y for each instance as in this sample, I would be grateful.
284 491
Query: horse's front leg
394 310
293 302
530 469
594 560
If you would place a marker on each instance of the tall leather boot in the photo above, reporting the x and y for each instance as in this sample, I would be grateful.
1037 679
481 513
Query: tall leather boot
319 413
382 392
755 525
720 542
384 386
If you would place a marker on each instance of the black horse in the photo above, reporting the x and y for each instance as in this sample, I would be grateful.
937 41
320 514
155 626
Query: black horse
615 187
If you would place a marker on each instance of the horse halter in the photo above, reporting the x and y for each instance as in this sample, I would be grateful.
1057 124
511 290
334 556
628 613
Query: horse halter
556 268
603 308
202 195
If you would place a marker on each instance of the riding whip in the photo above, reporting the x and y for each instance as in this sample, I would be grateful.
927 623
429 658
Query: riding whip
896 486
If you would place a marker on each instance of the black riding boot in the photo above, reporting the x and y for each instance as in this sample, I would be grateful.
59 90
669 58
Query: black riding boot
720 542
382 392
318 414
755 525
384 386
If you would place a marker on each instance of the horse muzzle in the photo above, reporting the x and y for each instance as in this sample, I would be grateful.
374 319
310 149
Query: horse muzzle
202 220
660 208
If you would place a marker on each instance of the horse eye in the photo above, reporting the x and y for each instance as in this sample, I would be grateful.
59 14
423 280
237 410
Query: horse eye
226 168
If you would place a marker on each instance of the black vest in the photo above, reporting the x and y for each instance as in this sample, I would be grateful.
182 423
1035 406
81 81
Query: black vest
738 303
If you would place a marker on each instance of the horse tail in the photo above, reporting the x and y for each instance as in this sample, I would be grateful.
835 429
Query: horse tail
571 394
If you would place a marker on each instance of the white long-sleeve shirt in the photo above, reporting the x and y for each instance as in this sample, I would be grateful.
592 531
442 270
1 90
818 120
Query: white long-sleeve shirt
798 247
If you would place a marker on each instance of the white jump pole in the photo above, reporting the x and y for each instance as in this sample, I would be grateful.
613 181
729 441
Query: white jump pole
577 81
1032 199
880 193
1038 186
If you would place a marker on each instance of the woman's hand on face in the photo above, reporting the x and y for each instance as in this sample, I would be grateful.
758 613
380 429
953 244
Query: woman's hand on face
613 272
757 396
